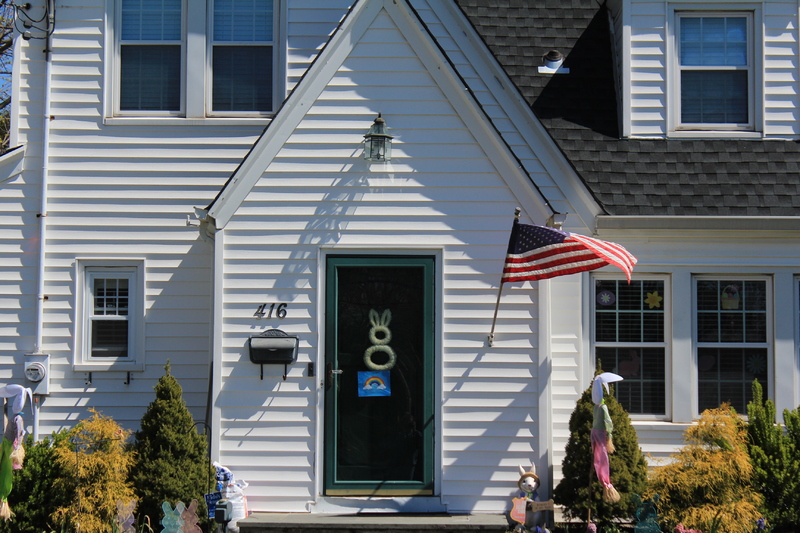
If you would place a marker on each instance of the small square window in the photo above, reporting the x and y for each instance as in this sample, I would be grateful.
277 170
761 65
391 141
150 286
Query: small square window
109 320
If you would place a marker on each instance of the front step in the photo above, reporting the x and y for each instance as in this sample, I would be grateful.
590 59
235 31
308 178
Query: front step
372 523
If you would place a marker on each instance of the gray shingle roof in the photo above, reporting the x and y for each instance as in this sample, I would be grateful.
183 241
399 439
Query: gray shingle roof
627 176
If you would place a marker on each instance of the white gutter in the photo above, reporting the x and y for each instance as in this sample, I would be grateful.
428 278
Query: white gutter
41 297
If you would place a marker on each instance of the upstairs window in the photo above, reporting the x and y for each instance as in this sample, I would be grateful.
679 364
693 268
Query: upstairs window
213 60
151 41
242 55
715 71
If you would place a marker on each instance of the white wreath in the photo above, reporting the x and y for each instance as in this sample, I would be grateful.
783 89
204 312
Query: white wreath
388 365
380 324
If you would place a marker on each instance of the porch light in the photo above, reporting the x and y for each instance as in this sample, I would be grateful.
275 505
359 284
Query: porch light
378 142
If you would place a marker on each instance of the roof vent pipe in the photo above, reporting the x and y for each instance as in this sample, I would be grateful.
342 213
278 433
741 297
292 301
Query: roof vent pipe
552 63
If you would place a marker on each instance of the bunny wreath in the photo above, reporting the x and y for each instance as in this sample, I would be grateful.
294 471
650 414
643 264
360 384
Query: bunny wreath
380 325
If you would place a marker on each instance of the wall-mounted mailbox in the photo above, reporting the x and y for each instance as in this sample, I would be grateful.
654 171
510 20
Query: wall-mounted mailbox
273 347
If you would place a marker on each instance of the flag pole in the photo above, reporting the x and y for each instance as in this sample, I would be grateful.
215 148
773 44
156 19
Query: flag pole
517 212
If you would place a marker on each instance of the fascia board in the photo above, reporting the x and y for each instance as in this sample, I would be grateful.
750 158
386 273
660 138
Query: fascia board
12 163
778 226
470 111
514 105
292 112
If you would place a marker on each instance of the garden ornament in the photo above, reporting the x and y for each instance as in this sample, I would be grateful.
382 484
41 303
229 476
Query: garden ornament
646 516
526 509
602 443
11 451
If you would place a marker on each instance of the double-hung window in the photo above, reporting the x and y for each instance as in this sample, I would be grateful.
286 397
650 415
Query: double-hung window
629 329
715 71
109 314
195 58
733 340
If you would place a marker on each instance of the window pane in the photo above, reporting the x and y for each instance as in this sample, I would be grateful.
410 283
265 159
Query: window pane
714 97
713 41
243 20
156 20
111 297
150 78
726 375
109 338
629 312
642 390
242 78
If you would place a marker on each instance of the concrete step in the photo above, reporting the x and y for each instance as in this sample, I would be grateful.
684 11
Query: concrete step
372 523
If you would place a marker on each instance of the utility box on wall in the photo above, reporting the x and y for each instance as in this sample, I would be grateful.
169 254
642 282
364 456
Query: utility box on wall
274 347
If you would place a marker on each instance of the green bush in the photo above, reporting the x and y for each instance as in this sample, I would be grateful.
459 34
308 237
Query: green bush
627 465
708 484
172 461
94 462
775 456
35 496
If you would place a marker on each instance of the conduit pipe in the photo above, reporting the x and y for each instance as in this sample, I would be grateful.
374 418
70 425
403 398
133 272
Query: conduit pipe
41 297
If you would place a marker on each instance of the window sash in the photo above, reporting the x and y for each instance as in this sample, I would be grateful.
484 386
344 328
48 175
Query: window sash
629 332
110 308
732 325
715 71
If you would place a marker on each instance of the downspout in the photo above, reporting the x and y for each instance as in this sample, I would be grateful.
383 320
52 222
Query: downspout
41 297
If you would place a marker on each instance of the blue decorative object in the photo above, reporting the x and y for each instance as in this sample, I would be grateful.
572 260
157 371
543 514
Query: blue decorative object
646 518
375 383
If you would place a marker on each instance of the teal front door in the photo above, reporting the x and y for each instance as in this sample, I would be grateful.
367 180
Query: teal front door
379 376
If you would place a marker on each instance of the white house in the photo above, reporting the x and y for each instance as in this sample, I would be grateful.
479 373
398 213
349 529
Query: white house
190 177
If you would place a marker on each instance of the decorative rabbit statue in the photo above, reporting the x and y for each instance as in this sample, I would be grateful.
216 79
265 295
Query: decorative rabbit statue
380 325
526 509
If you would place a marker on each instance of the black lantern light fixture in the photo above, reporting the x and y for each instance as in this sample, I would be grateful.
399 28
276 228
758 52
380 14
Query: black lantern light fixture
378 142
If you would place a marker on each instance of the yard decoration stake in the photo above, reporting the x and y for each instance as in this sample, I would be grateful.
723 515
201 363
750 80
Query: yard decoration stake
602 444
526 508
11 451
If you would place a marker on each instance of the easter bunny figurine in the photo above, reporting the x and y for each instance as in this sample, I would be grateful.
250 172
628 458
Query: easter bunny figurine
526 509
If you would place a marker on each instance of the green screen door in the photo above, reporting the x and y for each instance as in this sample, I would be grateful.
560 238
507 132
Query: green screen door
379 425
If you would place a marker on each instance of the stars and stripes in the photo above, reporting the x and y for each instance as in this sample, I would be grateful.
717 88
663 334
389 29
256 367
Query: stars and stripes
540 252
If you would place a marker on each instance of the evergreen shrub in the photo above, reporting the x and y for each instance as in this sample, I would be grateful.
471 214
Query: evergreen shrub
579 491
708 484
775 455
35 495
94 462
172 462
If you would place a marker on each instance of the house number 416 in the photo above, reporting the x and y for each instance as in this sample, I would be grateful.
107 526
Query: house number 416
266 312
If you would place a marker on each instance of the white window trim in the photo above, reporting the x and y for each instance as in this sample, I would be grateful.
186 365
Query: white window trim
82 360
770 328
666 343
755 128
195 98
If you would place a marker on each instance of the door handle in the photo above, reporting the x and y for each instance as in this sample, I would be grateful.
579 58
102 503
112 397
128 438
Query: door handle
329 375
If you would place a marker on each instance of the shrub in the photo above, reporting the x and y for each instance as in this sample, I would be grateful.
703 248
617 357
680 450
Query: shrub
708 486
35 496
628 468
171 456
95 464
776 463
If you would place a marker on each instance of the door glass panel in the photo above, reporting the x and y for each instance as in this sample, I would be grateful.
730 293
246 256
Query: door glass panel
379 378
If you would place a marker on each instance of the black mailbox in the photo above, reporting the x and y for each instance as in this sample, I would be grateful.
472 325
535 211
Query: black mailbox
273 347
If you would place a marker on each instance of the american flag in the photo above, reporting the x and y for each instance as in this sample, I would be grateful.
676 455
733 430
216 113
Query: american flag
539 252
